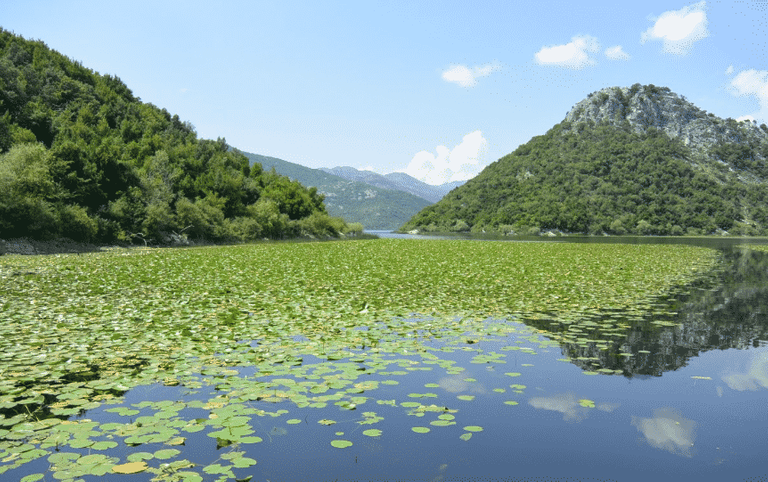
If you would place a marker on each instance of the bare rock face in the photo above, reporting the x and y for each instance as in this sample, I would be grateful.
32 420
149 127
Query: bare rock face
649 106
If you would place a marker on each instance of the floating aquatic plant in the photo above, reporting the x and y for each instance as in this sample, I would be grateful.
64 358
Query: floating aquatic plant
81 331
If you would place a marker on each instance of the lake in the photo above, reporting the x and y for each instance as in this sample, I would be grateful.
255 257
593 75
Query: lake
675 388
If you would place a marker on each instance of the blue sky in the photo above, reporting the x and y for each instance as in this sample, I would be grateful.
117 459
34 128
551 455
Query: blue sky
436 89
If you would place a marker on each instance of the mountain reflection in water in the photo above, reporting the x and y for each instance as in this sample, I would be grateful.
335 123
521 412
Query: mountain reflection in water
729 309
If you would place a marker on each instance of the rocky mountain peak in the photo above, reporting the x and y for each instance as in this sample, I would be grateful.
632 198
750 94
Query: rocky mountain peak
645 106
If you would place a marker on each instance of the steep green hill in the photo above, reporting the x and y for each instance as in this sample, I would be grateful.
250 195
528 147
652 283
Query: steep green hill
81 157
355 201
638 160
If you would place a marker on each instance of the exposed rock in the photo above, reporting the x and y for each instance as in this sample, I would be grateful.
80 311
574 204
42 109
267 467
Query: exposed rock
27 246
625 160
650 106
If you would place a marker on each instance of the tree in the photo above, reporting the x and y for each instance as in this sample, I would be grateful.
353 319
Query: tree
82 157
25 191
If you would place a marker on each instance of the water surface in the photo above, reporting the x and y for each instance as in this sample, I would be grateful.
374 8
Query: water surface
682 395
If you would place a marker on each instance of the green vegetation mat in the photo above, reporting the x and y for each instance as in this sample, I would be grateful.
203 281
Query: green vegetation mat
78 331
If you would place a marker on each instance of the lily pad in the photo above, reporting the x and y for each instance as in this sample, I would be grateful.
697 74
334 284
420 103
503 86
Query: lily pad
341 444
130 468
473 428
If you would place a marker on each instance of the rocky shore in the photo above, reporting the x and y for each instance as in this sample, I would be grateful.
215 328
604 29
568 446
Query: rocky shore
30 246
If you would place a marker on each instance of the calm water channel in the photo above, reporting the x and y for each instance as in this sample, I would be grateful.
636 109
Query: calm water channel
683 402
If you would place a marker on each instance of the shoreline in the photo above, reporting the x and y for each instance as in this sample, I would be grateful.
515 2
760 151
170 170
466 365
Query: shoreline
33 247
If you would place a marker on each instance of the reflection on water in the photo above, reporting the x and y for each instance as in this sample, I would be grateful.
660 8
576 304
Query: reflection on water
458 384
755 377
566 403
678 395
729 309
668 430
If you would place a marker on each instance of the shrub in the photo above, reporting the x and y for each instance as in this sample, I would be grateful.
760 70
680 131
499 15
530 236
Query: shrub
617 227
644 227
76 225
460 226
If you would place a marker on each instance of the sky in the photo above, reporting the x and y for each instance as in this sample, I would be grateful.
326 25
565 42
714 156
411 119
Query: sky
436 89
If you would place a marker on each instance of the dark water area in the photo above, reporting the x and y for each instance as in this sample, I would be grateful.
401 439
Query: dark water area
681 395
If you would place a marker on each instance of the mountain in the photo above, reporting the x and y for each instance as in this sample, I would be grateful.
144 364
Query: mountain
81 157
427 191
355 201
398 181
632 160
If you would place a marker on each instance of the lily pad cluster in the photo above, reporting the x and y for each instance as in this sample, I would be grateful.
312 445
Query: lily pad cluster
278 328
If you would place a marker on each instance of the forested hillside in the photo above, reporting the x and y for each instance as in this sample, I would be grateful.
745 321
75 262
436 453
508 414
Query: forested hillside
355 201
82 157
637 160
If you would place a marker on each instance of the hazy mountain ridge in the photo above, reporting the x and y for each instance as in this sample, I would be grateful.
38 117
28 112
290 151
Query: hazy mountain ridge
637 160
398 181
355 201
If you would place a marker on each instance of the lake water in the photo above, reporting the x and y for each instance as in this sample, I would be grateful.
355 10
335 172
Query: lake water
688 401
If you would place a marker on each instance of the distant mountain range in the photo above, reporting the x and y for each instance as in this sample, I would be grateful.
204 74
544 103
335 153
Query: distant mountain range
625 160
398 181
374 206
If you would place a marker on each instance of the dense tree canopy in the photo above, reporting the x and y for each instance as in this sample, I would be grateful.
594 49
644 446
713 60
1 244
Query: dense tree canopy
587 178
81 157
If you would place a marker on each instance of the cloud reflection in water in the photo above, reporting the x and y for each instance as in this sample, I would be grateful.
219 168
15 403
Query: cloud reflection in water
668 430
565 403
754 378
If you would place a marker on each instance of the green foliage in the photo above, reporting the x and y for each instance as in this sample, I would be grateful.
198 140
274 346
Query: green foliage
81 157
331 320
373 207
267 213
602 179
76 225
25 186
354 228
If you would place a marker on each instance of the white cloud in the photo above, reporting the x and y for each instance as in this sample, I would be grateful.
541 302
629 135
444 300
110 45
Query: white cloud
466 77
565 403
616 53
745 118
755 377
573 55
753 82
679 29
729 70
457 164
608 407
667 430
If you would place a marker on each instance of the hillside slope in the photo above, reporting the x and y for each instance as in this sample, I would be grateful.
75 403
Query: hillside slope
639 160
398 181
81 157
355 201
